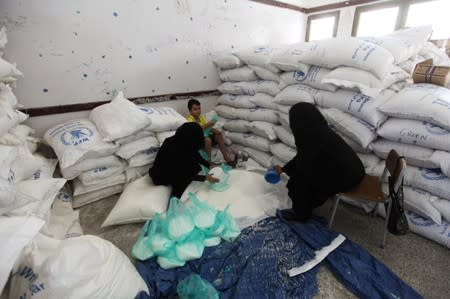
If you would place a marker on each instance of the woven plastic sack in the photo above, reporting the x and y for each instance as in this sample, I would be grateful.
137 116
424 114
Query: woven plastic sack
194 287
179 223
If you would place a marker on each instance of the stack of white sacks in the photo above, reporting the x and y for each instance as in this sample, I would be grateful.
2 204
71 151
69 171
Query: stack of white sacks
31 200
364 89
117 144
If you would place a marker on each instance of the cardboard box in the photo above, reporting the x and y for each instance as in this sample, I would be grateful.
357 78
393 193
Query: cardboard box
428 73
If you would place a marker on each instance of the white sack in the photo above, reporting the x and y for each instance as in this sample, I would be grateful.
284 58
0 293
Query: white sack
414 155
255 114
354 144
136 136
259 56
9 118
431 180
237 101
3 42
430 230
354 128
83 267
285 136
250 88
421 202
443 206
15 233
427 102
284 108
77 140
313 78
92 196
163 118
416 132
403 43
238 74
140 201
264 101
352 52
288 60
88 164
162 136
134 173
143 158
79 188
283 119
128 150
98 175
7 97
283 152
366 82
356 104
265 74
442 160
17 163
263 158
226 111
263 129
8 70
119 118
369 161
250 140
439 56
227 61
295 94
238 125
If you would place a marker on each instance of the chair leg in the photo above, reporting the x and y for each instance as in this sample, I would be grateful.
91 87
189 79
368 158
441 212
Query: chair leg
386 222
334 211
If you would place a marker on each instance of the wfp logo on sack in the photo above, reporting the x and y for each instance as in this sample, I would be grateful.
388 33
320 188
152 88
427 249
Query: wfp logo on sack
434 129
63 196
299 76
77 136
358 100
434 174
418 220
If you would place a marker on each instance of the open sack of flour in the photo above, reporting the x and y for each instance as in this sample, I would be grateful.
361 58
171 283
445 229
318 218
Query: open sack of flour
250 197
82 267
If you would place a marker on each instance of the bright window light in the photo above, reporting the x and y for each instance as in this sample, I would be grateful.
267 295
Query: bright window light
321 28
434 13
377 22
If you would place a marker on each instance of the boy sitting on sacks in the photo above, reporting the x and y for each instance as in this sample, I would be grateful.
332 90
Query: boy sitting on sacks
212 136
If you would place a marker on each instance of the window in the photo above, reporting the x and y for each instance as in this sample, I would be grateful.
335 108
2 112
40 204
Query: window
322 26
368 19
431 12
383 15
392 15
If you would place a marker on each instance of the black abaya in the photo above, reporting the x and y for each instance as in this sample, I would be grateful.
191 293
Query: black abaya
324 165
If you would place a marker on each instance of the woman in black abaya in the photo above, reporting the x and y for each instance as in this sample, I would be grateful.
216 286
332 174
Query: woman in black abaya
324 165
178 160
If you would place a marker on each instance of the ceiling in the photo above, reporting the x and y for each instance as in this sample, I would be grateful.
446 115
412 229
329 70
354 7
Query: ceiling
310 3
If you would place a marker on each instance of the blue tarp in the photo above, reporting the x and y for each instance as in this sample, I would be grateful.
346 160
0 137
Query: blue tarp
354 266
255 265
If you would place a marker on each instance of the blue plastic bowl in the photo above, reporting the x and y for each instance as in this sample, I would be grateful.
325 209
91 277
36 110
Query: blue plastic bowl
271 176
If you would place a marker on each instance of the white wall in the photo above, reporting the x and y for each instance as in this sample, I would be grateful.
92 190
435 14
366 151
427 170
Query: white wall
77 51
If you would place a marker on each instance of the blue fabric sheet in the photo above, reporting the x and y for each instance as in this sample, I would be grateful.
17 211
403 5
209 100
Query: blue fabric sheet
356 268
255 265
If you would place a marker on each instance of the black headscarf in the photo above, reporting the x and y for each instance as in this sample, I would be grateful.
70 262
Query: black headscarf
305 119
178 158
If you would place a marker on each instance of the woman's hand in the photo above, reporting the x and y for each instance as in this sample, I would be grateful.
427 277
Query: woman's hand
278 169
210 178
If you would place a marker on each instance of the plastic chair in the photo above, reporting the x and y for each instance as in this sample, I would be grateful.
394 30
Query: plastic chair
370 188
